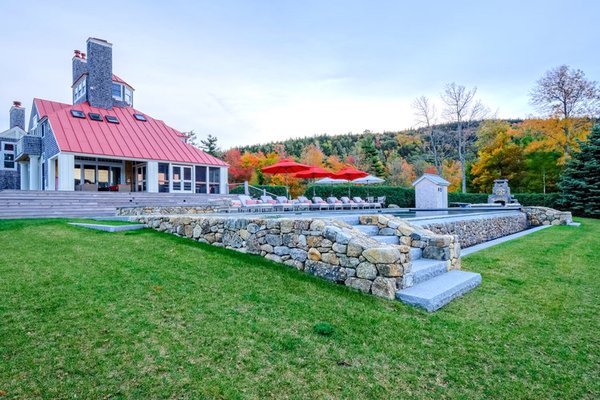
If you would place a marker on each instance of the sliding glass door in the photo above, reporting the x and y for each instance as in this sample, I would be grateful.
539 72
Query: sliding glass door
182 179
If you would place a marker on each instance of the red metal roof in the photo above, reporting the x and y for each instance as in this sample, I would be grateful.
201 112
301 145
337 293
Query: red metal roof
119 80
147 140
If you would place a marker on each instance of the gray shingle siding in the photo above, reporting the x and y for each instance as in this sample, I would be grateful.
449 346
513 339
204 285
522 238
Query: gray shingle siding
99 80
49 150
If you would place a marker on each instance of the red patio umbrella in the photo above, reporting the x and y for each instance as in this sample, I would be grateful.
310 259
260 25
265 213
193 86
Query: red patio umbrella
285 166
350 174
313 173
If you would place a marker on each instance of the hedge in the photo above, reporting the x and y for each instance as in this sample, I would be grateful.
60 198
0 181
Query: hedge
405 197
257 190
401 196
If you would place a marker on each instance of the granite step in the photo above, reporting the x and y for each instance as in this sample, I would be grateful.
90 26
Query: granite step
371 230
416 253
424 269
435 293
386 239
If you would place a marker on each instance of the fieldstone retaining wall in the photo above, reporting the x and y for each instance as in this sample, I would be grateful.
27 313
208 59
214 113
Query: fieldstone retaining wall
472 231
444 247
170 210
537 216
325 248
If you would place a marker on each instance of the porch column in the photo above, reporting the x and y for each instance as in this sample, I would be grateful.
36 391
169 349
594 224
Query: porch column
34 173
224 189
66 167
51 175
24 175
152 176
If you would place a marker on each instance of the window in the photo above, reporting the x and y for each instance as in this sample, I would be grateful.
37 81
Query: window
128 95
79 90
163 177
112 119
139 117
200 179
78 114
8 156
214 180
117 91
95 116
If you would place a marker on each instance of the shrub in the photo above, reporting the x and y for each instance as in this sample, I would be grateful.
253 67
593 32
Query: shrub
257 191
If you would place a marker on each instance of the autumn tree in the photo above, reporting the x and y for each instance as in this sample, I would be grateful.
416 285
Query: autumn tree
580 182
400 172
237 172
499 157
312 155
461 108
565 93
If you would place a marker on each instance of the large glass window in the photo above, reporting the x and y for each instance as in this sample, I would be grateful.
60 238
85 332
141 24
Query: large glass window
89 174
8 156
128 95
200 179
103 177
214 179
77 175
115 176
163 177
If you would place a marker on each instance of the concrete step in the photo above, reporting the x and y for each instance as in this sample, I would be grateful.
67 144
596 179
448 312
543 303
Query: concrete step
370 230
439 291
386 239
424 269
415 253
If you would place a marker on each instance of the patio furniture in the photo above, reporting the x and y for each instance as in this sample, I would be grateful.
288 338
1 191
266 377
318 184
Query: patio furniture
360 202
251 204
283 203
335 203
381 201
350 204
302 203
319 203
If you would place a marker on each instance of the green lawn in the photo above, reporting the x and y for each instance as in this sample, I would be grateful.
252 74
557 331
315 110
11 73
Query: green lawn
95 315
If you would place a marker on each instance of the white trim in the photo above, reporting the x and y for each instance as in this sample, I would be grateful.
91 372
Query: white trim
66 170
152 176
3 154
139 159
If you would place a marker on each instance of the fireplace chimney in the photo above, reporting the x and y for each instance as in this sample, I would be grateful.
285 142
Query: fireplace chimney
99 69
17 115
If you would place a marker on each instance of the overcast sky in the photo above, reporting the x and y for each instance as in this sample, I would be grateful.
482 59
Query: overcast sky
257 71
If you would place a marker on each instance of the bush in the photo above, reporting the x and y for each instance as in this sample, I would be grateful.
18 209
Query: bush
257 191
405 197
401 196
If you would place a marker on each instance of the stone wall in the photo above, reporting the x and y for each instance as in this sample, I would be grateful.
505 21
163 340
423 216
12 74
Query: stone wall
472 231
172 210
444 247
537 216
329 249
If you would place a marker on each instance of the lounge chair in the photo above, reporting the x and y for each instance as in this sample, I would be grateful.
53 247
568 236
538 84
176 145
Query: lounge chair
360 202
381 201
250 204
350 204
319 204
283 203
372 203
302 203
335 203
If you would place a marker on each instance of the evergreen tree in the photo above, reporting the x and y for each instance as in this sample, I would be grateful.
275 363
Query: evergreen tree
580 182
372 156
210 146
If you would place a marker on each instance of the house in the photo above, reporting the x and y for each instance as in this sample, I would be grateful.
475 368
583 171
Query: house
9 168
431 191
101 142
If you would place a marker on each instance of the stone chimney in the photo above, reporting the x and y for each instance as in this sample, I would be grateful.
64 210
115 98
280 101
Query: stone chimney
79 65
99 69
17 115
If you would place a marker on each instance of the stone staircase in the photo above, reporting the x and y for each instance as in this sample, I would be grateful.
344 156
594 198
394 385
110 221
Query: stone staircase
35 204
433 286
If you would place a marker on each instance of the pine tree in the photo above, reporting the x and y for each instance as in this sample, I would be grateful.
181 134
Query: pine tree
372 156
210 145
580 182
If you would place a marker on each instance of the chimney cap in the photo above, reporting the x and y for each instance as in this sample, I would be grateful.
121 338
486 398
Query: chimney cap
99 41
16 103
77 53
82 55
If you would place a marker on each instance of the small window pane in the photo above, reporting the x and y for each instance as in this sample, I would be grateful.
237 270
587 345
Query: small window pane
95 117
116 91
9 146
78 114
187 174
112 119
139 117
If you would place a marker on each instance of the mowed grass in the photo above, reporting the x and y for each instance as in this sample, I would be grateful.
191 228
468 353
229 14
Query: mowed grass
142 314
